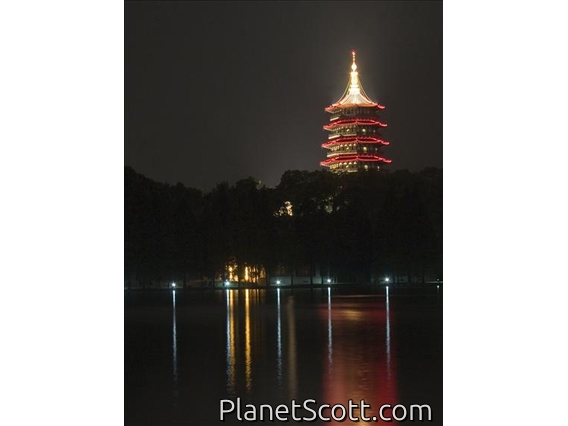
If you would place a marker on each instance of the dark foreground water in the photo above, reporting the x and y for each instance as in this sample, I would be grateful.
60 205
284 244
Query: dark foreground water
186 351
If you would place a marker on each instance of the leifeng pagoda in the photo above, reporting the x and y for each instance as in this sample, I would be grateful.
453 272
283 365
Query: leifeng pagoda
355 131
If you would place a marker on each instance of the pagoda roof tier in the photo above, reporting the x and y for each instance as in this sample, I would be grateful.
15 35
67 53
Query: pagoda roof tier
354 94
337 107
363 121
357 139
361 158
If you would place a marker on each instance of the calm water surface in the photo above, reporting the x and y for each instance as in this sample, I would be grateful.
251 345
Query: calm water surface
185 351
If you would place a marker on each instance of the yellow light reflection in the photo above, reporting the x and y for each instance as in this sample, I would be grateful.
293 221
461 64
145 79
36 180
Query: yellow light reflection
248 366
353 315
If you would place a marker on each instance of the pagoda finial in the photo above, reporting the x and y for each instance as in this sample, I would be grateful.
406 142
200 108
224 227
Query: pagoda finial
354 93
354 88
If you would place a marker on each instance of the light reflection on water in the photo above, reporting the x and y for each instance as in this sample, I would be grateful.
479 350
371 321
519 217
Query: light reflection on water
279 341
271 346
292 353
230 347
361 359
355 367
174 348
388 338
248 358
329 333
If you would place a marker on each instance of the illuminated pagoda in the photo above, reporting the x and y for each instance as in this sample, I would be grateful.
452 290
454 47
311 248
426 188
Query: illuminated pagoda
355 130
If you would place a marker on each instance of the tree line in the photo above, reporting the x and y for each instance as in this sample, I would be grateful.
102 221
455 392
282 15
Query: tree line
357 227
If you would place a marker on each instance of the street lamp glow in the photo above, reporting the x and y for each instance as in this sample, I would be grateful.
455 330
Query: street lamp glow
278 282
387 279
227 283
173 285
329 280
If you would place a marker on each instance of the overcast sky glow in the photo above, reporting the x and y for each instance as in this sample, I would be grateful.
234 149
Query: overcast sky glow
218 91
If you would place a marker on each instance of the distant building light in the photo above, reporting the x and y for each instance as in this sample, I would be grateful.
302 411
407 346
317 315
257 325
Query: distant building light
227 283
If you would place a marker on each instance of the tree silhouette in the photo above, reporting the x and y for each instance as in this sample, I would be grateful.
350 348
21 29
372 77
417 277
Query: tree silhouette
357 227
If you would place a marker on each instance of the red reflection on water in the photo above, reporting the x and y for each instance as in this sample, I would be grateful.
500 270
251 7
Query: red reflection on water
351 372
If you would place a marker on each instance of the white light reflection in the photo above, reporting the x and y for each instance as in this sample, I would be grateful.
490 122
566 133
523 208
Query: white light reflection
329 332
174 347
230 349
279 341
388 339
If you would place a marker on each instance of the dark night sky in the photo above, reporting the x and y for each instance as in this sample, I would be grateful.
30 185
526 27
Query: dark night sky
219 91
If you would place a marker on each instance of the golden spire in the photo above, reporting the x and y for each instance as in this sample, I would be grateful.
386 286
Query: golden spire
354 89
354 65
354 93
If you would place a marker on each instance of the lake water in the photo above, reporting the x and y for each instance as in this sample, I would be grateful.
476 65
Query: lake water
187 350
